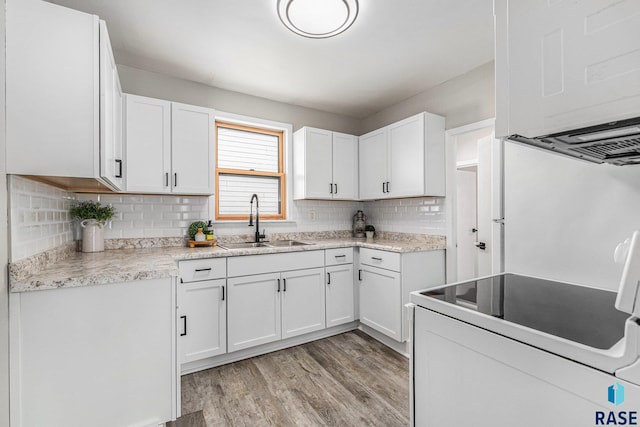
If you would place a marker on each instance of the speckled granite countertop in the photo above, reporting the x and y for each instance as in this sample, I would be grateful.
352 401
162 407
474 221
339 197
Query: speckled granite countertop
123 265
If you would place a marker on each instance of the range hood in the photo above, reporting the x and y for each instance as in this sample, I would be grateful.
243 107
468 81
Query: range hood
617 143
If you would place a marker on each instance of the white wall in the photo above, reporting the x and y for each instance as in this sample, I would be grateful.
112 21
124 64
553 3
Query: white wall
564 217
4 241
155 85
465 99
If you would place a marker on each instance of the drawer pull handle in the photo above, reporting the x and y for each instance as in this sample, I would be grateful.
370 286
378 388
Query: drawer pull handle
360 275
184 326
376 258
202 269
328 278
222 293
340 256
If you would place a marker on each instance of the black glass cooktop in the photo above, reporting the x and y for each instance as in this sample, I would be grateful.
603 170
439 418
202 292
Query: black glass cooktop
577 313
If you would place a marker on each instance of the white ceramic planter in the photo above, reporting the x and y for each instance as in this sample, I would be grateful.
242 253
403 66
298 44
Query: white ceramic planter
92 235
369 234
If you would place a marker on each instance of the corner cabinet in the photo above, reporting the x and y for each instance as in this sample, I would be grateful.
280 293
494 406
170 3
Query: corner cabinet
274 297
404 159
387 278
563 65
62 119
325 165
169 146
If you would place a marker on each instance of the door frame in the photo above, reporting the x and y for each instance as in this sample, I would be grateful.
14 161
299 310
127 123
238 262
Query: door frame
451 201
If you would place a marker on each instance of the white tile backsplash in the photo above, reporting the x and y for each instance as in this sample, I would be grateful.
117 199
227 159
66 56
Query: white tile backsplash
39 217
423 215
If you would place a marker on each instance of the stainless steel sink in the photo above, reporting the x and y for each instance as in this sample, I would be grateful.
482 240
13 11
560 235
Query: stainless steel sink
243 245
281 243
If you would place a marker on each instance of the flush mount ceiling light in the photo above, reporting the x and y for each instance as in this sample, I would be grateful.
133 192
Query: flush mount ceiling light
317 19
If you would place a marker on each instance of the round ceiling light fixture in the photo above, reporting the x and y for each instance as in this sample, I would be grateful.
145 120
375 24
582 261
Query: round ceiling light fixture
317 19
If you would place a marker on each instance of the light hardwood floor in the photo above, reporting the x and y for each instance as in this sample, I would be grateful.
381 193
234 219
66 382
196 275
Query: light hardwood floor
346 380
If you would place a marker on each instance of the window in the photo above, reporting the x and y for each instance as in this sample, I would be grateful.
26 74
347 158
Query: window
249 160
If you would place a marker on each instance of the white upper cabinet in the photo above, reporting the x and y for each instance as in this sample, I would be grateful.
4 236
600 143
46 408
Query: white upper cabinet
192 149
54 56
404 159
111 146
562 65
325 164
169 147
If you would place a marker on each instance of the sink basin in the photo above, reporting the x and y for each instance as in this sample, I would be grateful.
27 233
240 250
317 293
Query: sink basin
281 243
243 245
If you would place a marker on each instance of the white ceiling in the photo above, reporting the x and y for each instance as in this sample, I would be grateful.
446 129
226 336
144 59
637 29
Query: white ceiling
395 49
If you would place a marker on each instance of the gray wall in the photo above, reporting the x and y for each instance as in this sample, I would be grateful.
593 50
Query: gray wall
4 243
465 99
146 83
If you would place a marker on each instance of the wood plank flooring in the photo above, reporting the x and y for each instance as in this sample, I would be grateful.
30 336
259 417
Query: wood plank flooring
346 380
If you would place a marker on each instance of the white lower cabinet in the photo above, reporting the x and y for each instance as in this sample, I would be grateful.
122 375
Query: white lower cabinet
202 316
339 286
380 300
387 278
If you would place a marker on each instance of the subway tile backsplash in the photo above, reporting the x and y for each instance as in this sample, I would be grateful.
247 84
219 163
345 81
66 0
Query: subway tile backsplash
39 216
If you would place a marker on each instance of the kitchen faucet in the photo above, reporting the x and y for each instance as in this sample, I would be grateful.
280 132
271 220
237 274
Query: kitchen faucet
258 235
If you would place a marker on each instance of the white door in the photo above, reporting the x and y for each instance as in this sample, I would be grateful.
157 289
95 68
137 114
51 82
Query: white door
192 149
302 299
345 166
148 144
202 320
380 301
484 242
253 310
466 214
110 114
319 183
406 157
372 153
339 295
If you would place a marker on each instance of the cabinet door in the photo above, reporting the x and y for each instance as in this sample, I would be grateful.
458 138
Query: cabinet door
148 144
52 90
406 157
345 166
318 155
302 302
373 164
192 149
110 114
339 296
380 301
202 319
253 310
565 65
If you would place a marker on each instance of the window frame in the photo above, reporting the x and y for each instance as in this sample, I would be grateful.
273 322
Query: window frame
282 173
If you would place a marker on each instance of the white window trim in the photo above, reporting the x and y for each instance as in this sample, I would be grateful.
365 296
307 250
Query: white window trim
287 130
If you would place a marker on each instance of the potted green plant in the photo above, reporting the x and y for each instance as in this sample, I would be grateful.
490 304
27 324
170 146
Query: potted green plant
93 216
369 230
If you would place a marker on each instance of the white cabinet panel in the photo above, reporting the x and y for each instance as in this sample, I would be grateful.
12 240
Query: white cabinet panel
380 301
563 65
253 310
373 164
325 165
148 144
202 318
52 90
95 356
192 149
302 302
339 295
345 166
406 157
111 132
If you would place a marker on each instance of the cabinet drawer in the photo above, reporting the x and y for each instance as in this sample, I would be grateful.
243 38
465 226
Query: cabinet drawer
338 256
382 259
202 269
272 263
